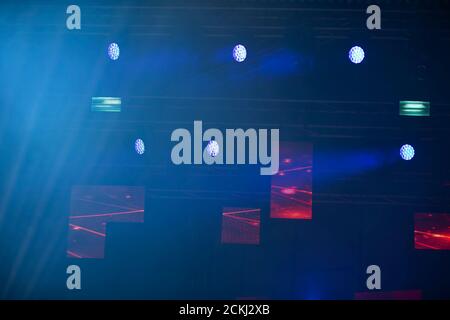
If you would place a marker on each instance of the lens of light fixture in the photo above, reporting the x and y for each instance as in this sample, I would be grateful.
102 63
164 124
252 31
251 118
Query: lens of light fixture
407 152
239 53
356 55
139 146
113 51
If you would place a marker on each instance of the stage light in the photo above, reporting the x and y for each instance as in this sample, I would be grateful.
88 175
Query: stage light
239 53
114 51
212 148
106 104
356 55
139 146
414 108
407 152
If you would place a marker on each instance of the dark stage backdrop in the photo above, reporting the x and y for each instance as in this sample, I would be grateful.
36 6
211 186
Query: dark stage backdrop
74 190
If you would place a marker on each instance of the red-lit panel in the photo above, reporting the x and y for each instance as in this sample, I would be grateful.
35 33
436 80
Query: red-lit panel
241 225
92 208
432 231
291 190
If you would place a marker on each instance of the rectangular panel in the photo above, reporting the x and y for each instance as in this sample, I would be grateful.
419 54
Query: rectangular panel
92 208
291 189
106 104
241 225
432 231
414 108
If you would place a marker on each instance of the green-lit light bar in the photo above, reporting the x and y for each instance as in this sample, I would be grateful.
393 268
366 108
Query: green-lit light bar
415 108
106 104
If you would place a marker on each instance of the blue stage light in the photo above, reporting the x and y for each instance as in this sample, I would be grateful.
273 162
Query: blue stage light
213 148
239 53
356 55
139 146
407 152
114 51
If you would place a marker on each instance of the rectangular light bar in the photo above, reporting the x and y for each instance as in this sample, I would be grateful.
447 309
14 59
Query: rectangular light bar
415 108
106 104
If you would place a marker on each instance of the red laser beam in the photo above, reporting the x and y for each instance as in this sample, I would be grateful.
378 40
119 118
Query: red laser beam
73 254
241 211
297 169
105 214
307 203
76 227
426 245
107 204
434 235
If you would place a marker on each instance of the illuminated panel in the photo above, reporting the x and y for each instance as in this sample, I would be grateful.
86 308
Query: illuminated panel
92 208
414 108
106 104
241 225
291 189
432 231
389 295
